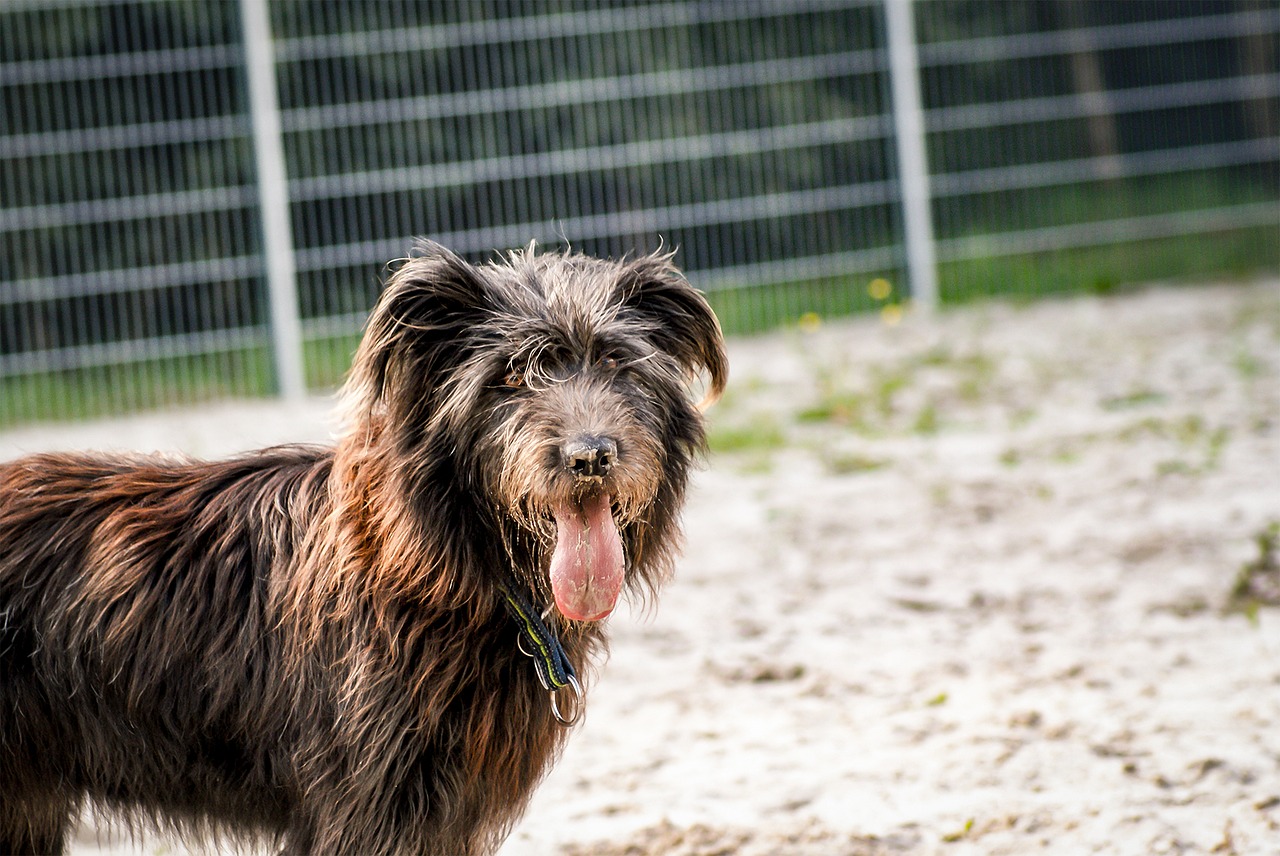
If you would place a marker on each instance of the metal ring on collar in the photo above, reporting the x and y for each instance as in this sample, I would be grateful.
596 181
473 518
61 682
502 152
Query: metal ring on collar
576 713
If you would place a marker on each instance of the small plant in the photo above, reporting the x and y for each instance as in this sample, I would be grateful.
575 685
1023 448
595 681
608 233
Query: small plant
926 421
960 834
842 465
978 372
1246 363
1137 398
1217 442
1257 584
840 407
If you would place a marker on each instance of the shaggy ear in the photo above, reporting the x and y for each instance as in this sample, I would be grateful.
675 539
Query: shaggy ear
679 318
419 320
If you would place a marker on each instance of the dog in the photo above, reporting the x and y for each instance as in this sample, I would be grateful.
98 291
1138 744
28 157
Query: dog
370 648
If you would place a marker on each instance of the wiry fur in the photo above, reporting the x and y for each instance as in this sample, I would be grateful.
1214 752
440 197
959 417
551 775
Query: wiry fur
309 644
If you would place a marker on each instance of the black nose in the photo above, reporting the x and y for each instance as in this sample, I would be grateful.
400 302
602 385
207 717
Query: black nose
590 457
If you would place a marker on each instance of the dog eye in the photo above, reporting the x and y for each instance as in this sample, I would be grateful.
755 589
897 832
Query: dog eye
608 362
515 380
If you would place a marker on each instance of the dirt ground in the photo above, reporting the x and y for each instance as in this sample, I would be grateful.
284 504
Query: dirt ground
995 582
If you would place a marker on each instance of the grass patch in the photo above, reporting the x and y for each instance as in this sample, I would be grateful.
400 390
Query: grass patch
926 421
1106 269
977 373
762 435
886 383
750 445
767 306
1139 398
1195 436
873 405
851 464
1246 364
139 385
840 407
1176 467
1257 583
328 360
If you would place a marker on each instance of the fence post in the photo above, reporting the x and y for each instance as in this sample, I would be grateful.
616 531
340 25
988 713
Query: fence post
273 196
913 168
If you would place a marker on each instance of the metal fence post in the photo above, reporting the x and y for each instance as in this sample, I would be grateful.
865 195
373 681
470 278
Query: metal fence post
913 168
273 194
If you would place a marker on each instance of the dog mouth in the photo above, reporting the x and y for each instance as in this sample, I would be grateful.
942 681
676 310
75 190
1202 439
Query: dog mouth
588 565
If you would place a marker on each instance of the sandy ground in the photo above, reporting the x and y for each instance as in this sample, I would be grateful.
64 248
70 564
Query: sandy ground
955 586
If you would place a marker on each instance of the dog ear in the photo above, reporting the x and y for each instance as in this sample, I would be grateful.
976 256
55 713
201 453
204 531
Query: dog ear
679 319
422 315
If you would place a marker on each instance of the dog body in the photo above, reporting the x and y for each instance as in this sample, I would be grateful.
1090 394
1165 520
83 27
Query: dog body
314 645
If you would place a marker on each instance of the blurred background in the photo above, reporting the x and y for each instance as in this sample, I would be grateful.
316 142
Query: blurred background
198 199
1003 578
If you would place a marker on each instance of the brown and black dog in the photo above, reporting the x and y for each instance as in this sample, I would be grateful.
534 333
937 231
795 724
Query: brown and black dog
326 647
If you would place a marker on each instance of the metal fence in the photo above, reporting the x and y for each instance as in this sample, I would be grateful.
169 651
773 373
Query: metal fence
198 198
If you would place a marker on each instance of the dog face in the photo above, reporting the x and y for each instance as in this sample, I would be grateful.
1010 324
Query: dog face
557 389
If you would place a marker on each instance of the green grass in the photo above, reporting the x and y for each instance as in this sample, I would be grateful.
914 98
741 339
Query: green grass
841 407
760 435
1138 398
1195 445
134 386
757 308
168 382
327 360
1105 269
1088 270
1257 583
753 308
751 445
875 405
1108 268
927 420
853 464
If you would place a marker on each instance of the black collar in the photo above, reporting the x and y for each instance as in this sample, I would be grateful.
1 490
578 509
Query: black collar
555 672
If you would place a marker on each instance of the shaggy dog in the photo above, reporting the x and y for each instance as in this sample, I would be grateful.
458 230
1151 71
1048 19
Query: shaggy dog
366 649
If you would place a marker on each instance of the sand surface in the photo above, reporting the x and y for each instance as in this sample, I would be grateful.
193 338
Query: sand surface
959 585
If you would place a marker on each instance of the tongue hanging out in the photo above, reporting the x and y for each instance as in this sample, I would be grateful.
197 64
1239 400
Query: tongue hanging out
587 567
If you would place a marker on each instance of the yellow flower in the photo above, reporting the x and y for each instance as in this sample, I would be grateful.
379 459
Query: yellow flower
879 288
891 315
809 322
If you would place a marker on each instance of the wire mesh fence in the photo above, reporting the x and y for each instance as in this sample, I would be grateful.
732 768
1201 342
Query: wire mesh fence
1069 145
1088 144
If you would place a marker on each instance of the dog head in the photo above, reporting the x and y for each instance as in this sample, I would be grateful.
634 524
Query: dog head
555 391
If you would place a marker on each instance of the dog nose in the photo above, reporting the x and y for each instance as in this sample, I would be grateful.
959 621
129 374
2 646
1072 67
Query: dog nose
590 457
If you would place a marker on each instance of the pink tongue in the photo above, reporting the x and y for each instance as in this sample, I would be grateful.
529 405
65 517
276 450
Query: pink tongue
587 567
